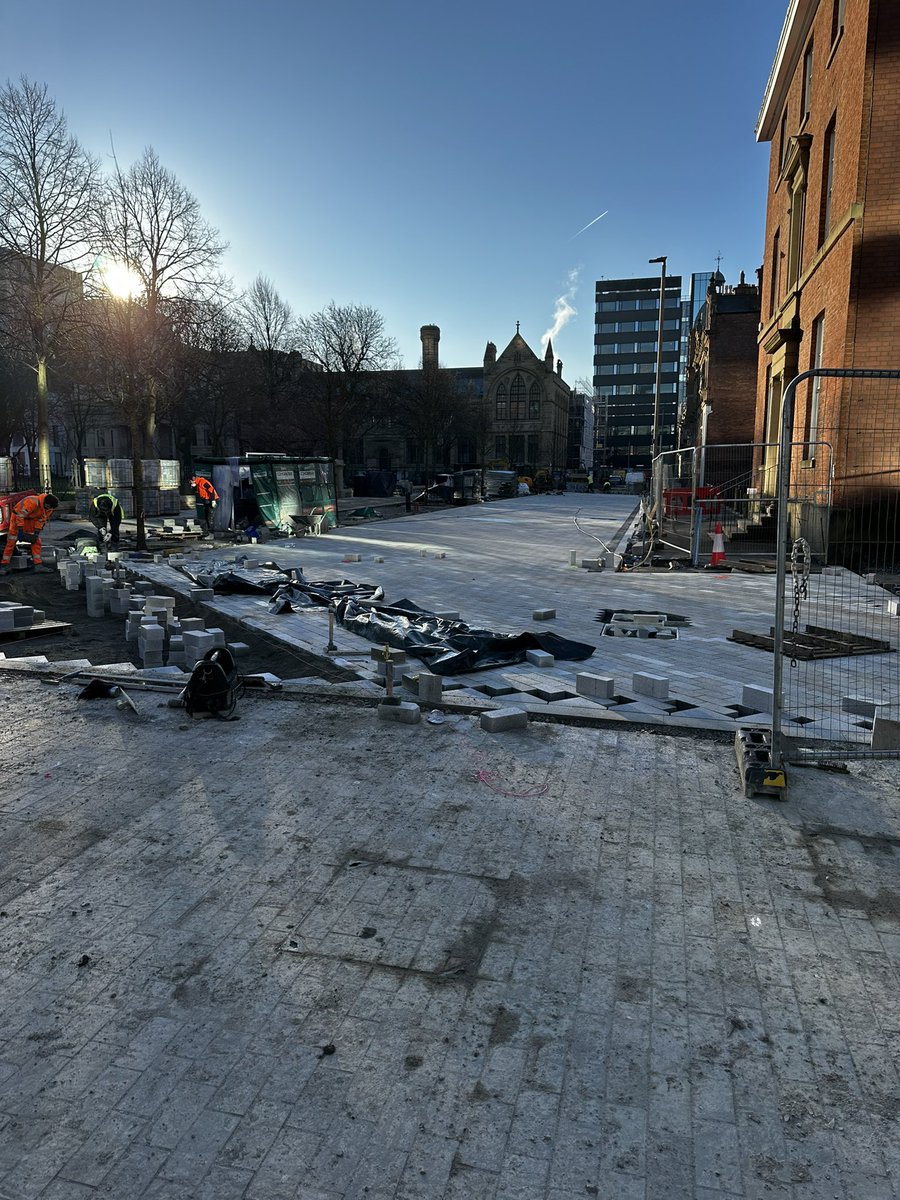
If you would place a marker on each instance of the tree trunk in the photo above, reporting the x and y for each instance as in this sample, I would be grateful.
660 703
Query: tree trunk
137 482
45 481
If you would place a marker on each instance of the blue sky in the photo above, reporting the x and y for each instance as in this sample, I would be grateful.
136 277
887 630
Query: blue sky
433 161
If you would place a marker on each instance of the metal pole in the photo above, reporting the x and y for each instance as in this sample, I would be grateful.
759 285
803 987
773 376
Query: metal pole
654 448
782 491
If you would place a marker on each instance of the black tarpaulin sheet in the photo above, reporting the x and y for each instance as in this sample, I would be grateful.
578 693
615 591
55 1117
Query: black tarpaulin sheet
268 579
227 577
449 647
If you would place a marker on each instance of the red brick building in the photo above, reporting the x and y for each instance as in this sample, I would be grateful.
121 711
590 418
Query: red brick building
722 358
831 273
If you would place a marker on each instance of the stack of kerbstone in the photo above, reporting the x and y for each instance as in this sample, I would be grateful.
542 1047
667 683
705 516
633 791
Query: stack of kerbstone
18 616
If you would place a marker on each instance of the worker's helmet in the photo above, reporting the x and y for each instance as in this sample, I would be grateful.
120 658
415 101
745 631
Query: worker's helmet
104 504
51 501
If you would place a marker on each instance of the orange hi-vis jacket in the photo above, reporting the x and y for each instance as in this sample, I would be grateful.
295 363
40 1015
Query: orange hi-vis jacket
29 517
205 489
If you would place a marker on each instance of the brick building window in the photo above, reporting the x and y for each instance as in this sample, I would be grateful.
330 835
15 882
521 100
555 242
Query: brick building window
782 139
816 353
534 403
837 19
516 447
500 446
806 104
827 180
774 282
533 448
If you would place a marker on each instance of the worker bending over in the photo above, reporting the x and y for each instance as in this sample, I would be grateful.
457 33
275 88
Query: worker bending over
106 515
207 499
26 521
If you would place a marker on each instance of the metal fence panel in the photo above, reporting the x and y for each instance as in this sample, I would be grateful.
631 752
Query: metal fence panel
837 631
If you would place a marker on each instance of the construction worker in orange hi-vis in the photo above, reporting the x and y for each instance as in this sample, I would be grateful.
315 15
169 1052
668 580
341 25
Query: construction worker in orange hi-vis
207 499
26 521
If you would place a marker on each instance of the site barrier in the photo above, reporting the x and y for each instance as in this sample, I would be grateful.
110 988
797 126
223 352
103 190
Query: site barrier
836 634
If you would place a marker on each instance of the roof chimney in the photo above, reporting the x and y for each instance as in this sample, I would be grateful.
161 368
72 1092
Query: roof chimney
431 336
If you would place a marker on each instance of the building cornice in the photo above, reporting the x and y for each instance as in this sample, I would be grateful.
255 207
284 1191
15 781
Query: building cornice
797 25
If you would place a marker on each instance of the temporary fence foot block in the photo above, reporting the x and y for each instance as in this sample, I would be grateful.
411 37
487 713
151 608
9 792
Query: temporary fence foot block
753 750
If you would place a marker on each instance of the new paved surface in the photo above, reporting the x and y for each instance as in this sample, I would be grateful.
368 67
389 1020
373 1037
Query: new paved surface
502 561
311 956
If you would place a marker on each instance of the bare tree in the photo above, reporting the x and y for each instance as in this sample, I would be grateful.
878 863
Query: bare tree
347 343
428 405
48 194
151 224
206 383
271 337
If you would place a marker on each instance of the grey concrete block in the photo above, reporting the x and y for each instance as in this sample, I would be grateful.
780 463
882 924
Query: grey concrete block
403 711
656 686
885 734
544 614
7 620
192 624
759 699
449 614
501 719
539 658
198 595
431 688
860 706
352 558
23 616
197 643
218 636
238 649
603 687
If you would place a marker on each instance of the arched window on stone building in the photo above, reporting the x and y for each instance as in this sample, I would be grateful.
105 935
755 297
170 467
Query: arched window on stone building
502 403
534 402
517 398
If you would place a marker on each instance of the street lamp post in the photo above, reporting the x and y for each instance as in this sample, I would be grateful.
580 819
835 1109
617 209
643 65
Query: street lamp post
654 446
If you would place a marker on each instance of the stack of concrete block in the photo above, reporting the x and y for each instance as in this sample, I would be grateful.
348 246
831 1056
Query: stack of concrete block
120 599
162 608
151 643
17 616
98 588
218 636
133 623
192 624
196 643
70 572
175 657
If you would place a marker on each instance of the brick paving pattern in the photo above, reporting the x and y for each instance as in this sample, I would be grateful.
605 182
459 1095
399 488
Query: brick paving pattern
309 956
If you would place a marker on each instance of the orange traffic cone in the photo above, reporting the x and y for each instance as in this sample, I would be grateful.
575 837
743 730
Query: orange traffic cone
718 550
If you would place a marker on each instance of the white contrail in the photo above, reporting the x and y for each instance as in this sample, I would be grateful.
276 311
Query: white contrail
563 308
589 224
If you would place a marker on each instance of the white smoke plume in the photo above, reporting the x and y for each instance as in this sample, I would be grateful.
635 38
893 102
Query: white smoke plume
563 309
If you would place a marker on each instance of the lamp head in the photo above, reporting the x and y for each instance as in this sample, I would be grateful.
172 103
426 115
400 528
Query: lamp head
662 258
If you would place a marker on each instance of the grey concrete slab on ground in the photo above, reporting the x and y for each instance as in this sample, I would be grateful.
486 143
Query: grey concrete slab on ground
310 955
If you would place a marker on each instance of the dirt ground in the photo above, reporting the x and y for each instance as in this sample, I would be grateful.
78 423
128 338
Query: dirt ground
103 640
